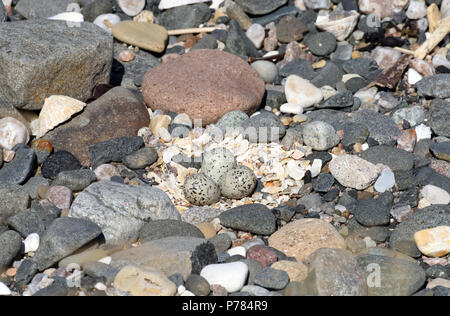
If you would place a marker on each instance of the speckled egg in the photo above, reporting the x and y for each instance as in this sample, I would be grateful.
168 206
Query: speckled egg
238 183
199 189
217 162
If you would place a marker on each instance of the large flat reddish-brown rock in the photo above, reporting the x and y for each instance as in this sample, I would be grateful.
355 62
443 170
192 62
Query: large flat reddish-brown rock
119 112
205 84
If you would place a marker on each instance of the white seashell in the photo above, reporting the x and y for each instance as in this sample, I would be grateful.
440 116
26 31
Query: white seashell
56 110
167 4
340 28
12 132
69 17
107 21
131 7
31 243
294 170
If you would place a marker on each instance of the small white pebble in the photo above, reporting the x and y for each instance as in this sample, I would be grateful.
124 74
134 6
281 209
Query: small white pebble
413 76
423 132
31 243
365 146
4 290
316 167
237 251
100 286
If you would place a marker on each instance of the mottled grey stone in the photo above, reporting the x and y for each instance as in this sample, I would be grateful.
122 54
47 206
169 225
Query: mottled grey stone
41 58
121 210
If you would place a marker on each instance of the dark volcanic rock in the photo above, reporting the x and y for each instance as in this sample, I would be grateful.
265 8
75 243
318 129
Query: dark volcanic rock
113 150
254 218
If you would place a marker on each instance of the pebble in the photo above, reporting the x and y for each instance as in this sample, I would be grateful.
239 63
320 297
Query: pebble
58 162
256 7
385 181
210 84
264 127
231 276
238 183
20 169
439 112
201 190
60 196
159 229
290 29
320 135
323 182
115 149
197 285
262 254
147 36
435 195
106 172
296 271
396 159
109 198
441 150
140 282
270 278
142 158
301 238
354 172
392 269
239 250
436 86
413 76
62 238
321 43
256 34
12 132
75 180
301 92
11 244
417 9
266 69
31 243
253 218
433 242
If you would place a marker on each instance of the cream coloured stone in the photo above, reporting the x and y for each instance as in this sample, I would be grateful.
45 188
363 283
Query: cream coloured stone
301 91
433 242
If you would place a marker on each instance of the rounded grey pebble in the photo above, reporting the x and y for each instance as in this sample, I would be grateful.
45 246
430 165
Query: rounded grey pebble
218 162
232 120
197 285
201 190
142 158
238 183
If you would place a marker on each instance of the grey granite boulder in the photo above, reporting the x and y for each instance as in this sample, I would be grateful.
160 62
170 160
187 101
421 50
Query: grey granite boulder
41 58
121 210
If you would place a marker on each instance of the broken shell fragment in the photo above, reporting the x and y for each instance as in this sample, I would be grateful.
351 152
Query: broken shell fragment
340 24
56 110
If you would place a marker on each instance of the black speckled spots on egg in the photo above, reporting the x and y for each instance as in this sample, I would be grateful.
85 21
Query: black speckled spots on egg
238 183
200 190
